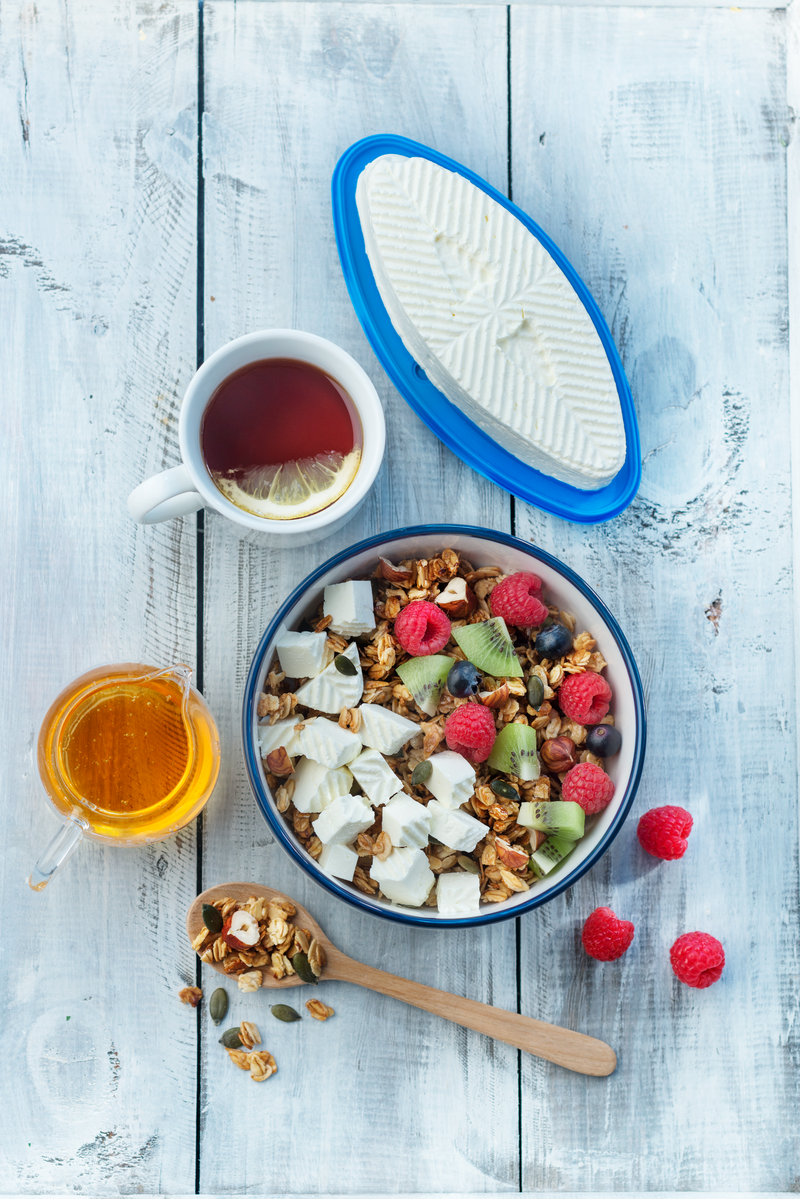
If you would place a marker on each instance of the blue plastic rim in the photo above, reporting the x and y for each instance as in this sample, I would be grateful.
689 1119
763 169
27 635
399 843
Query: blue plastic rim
456 430
281 830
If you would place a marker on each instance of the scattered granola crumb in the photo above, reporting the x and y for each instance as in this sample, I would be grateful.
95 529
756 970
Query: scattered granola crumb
318 1009
262 1065
190 995
239 1058
250 981
249 1034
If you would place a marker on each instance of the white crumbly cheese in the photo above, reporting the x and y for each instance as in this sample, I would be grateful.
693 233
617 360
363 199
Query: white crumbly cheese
331 690
458 894
406 822
339 861
384 730
342 821
378 781
272 736
454 828
327 742
302 655
351 606
452 779
404 877
491 318
316 786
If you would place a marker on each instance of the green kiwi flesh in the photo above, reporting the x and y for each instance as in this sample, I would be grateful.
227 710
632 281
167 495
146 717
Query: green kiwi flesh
550 854
514 752
563 818
425 678
489 647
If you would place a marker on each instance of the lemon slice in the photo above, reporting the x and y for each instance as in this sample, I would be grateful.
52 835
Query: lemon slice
293 489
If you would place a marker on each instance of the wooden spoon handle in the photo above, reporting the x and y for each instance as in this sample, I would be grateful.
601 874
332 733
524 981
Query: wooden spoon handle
576 1051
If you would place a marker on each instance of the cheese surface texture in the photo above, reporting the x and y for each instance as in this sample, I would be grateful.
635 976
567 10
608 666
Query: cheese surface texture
492 319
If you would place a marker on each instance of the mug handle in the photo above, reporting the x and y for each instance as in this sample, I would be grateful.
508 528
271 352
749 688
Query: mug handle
62 847
172 493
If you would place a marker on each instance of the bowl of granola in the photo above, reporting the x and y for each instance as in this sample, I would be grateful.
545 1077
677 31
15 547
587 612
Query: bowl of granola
444 725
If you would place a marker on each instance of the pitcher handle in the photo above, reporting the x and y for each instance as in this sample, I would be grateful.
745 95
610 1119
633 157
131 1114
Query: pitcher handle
62 847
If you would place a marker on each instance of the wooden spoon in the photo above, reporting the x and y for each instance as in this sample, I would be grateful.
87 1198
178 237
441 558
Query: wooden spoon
585 1055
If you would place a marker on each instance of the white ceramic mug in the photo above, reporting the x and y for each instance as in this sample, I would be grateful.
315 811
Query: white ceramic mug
188 487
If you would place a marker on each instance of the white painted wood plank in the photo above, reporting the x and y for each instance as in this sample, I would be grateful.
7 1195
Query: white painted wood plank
651 146
380 1097
564 4
97 271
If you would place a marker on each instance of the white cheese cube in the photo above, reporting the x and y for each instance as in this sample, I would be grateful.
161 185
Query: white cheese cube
331 690
327 742
406 822
351 606
315 786
452 779
302 655
384 730
339 861
454 828
272 736
377 779
404 877
342 821
458 894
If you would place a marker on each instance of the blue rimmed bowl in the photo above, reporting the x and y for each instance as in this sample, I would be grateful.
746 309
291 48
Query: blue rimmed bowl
482 547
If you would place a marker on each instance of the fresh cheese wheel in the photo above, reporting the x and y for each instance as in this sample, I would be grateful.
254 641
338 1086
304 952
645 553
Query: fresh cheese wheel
492 319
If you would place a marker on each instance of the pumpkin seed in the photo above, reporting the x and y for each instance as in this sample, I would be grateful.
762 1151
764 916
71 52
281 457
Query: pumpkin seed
422 772
469 865
212 918
303 969
231 1039
504 789
344 665
218 1005
535 691
282 1011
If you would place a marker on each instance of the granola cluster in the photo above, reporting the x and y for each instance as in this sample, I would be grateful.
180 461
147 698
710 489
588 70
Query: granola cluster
258 1062
279 942
502 857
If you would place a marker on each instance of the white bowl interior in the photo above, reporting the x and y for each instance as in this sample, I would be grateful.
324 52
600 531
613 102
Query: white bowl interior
482 551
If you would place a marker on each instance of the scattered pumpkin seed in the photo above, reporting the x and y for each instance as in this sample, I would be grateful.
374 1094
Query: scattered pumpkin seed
422 772
218 1005
535 691
302 968
504 789
344 665
282 1011
469 865
231 1039
212 918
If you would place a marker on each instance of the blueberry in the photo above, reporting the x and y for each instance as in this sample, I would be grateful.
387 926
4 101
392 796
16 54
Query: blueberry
603 740
553 642
464 679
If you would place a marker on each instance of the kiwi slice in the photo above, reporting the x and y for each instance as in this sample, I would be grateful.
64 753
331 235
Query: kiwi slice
514 752
550 854
425 679
489 647
563 818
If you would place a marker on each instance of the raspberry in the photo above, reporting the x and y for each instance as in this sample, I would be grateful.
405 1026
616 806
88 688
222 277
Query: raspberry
697 959
518 599
470 731
589 786
422 628
662 832
585 697
606 937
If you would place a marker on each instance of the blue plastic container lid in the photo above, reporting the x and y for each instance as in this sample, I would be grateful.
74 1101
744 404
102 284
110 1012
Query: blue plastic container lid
456 430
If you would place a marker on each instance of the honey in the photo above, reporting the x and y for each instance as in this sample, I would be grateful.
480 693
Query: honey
130 752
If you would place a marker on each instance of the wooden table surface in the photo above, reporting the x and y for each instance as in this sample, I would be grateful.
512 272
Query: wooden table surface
655 145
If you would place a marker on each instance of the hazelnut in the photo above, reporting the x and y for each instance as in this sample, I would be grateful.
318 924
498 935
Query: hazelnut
394 574
497 698
510 855
457 599
279 763
559 754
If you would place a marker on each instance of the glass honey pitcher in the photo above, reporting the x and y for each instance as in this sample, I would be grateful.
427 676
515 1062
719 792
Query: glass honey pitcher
128 754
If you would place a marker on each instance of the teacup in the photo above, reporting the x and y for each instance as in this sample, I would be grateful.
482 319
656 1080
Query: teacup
189 487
